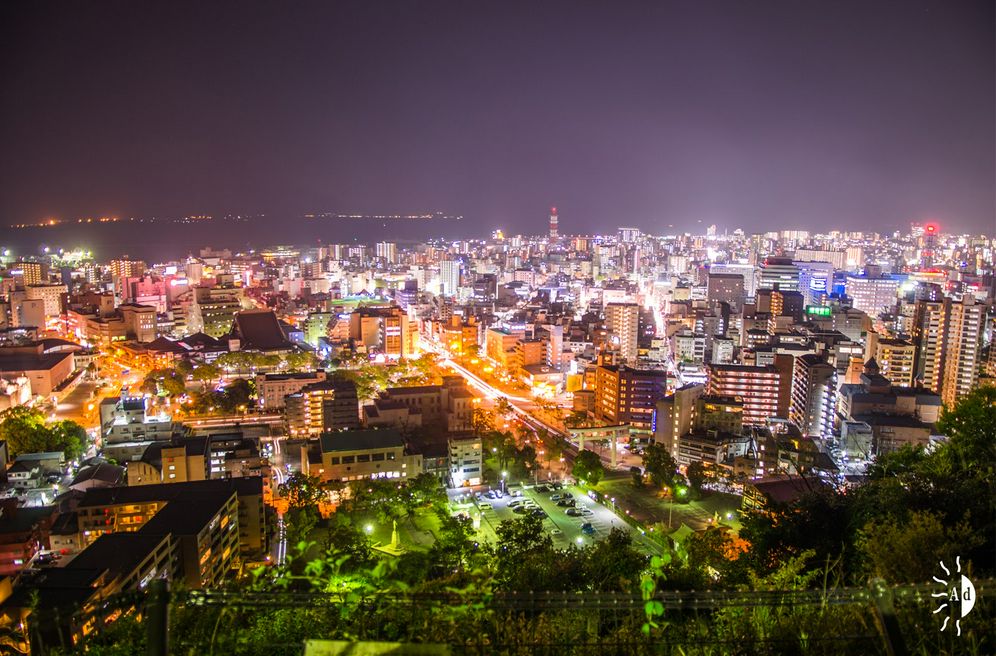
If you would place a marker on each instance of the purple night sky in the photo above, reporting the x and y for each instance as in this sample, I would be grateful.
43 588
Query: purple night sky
761 114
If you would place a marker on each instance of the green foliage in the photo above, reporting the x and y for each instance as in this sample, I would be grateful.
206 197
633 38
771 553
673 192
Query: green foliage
971 427
165 382
588 467
637 475
502 406
206 373
916 507
303 491
659 465
482 421
697 475
25 431
907 550
235 397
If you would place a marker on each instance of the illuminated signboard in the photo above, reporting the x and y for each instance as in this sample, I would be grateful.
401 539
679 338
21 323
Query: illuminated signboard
818 284
819 310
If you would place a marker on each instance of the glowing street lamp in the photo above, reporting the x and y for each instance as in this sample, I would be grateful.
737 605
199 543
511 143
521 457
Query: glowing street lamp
504 475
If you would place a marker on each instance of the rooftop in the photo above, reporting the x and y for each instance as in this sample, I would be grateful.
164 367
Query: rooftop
361 440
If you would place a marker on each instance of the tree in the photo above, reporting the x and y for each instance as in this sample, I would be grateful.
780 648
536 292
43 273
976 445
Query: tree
237 394
576 418
69 437
971 426
25 431
525 460
301 361
482 421
907 550
502 406
588 467
206 373
696 473
637 475
660 465
613 564
302 490
183 367
164 382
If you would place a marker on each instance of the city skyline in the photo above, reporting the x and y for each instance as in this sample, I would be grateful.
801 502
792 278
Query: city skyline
764 118
566 328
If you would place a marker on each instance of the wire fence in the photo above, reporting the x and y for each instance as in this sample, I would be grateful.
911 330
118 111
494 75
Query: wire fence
879 620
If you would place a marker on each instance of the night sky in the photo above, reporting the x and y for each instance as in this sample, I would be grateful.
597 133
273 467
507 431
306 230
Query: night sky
753 114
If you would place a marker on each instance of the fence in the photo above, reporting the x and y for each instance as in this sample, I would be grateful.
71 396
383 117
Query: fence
892 621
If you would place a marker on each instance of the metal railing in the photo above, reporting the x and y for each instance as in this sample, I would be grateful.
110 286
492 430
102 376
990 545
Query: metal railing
892 621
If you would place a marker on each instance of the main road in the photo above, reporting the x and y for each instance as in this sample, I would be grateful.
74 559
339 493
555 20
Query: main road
521 405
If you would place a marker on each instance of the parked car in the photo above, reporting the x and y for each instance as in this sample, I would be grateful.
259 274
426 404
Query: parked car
520 510
588 529
587 512
515 493
542 489
538 512
556 497
484 506
566 503
573 512
556 532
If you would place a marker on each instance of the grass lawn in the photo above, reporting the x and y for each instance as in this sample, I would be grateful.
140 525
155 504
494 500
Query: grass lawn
415 534
647 506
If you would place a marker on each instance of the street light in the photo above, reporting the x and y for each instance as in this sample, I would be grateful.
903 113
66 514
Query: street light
504 475
369 529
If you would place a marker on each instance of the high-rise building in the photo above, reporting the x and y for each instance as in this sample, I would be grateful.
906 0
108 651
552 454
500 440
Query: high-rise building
815 281
50 295
466 460
766 391
212 310
814 387
872 295
779 273
449 277
629 235
896 358
675 415
29 273
383 329
387 250
726 288
554 231
622 320
948 337
624 395
322 406
837 259
125 268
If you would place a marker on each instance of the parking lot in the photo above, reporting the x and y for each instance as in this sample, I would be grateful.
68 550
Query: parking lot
563 528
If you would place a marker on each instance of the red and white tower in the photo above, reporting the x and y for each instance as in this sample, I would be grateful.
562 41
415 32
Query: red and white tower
553 223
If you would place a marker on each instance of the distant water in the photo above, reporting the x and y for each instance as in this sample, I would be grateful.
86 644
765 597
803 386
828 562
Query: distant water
163 240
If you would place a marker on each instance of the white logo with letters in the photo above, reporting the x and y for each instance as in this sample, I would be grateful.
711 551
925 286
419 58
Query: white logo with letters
958 596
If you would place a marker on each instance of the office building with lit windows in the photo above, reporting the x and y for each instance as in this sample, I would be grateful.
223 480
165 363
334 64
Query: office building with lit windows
766 391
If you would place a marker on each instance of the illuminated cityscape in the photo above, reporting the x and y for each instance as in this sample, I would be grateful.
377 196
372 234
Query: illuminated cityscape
526 421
